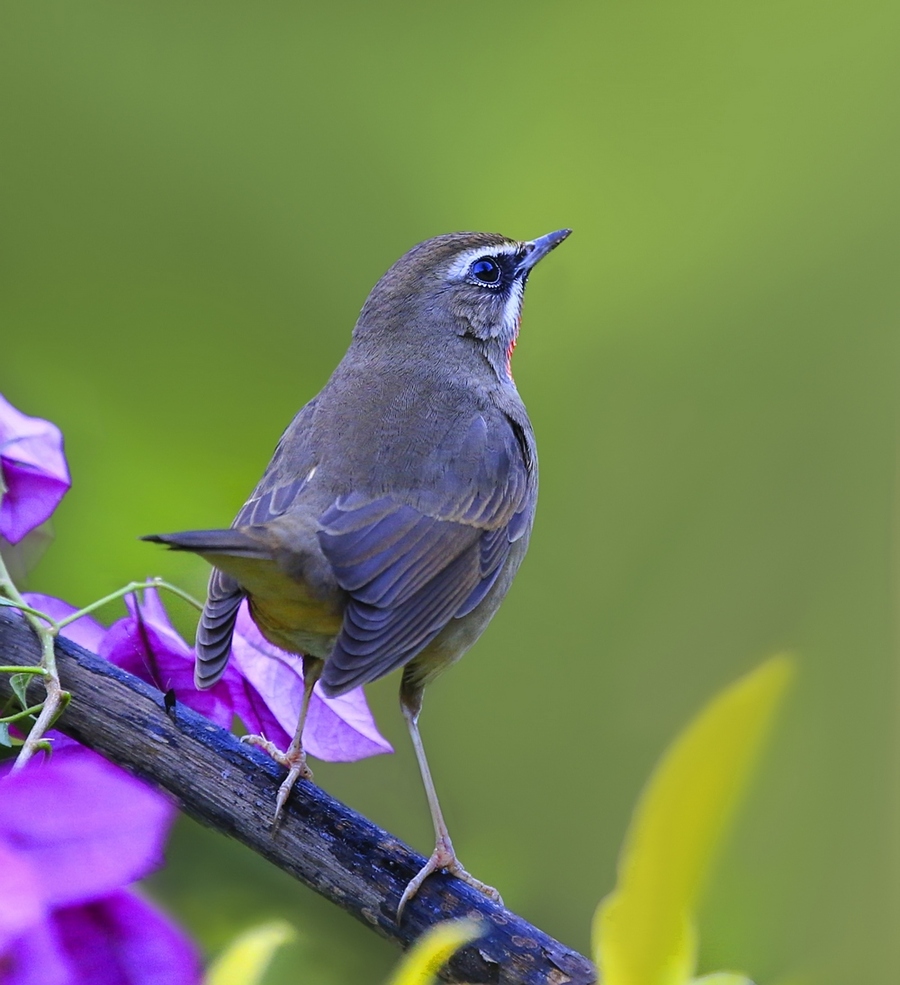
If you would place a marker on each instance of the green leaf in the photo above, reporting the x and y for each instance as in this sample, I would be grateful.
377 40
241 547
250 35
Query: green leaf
19 683
643 932
245 960
4 735
433 949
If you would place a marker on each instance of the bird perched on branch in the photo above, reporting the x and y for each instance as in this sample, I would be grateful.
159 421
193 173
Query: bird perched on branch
397 507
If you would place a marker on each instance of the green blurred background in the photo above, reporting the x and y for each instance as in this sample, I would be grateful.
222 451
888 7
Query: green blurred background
196 198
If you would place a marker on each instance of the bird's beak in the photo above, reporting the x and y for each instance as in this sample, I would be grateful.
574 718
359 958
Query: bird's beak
538 248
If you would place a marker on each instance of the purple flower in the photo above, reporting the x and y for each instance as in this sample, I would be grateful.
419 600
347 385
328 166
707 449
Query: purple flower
73 832
147 645
118 940
338 730
262 685
86 631
33 469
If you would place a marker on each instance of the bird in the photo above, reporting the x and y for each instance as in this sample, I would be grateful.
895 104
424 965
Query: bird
398 504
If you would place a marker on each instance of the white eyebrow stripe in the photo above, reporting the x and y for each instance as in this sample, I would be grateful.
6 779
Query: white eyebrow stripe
460 266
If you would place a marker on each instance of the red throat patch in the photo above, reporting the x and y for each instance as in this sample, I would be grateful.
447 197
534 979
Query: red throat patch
511 348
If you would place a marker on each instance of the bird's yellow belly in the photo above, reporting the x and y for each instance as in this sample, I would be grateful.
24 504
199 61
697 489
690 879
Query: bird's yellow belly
296 624
289 614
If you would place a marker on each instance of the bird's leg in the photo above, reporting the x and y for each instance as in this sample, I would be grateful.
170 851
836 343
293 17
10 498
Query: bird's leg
294 759
443 856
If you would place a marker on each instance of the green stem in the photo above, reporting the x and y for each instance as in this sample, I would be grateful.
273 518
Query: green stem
25 713
27 609
34 617
47 630
47 636
15 600
133 586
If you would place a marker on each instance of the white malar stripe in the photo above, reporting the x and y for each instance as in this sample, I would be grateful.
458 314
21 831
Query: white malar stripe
512 309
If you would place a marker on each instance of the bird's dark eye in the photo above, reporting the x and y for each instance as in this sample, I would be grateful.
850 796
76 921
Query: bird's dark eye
486 270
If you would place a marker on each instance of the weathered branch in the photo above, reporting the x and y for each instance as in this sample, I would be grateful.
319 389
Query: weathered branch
231 787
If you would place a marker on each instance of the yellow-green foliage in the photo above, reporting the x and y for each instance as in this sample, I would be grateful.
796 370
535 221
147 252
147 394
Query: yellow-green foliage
246 959
432 951
643 931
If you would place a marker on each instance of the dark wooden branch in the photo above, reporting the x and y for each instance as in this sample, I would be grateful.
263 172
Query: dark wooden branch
231 787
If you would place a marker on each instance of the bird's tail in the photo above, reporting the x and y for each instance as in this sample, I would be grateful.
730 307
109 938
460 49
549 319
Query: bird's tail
225 549
231 543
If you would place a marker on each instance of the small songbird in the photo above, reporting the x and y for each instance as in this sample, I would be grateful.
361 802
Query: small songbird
398 505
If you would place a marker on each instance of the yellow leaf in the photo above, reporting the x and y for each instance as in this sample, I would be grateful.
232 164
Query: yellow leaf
248 956
433 949
643 931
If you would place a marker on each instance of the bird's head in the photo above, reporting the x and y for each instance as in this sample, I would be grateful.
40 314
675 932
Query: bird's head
459 284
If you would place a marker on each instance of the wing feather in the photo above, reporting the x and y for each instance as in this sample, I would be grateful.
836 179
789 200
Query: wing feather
216 628
410 568
370 646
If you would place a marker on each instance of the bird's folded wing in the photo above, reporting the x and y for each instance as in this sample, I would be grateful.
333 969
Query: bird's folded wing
410 567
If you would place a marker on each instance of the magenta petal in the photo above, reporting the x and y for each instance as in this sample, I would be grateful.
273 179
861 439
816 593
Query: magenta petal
153 611
37 958
29 500
148 646
254 710
21 904
34 471
85 826
86 631
123 940
118 940
341 730
337 729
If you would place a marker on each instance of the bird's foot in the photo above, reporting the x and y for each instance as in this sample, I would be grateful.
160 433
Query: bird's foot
444 858
294 761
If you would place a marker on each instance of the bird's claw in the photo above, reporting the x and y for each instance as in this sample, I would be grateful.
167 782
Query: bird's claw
294 762
443 858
